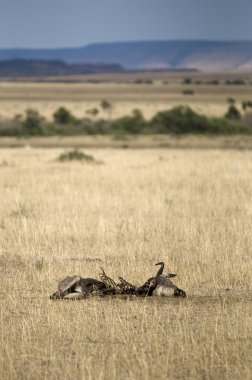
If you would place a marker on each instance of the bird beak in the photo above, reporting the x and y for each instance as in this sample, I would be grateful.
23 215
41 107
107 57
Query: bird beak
168 275
171 275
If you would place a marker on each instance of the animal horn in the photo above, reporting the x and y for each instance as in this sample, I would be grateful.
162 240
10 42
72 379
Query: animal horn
160 271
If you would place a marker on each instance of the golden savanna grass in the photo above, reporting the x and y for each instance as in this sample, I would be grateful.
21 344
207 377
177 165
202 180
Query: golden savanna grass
190 208
80 94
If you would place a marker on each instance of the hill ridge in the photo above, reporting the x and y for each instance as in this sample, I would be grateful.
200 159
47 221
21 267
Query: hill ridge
203 55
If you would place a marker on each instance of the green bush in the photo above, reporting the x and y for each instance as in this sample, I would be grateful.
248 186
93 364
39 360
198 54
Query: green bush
188 92
33 123
214 82
179 120
233 113
63 116
75 155
99 127
11 128
187 81
246 104
218 126
183 120
143 81
236 81
129 124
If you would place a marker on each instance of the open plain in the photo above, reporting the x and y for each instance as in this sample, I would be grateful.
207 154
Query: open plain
190 208
148 92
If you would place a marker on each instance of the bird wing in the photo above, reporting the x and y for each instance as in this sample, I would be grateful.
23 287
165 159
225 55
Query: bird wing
67 283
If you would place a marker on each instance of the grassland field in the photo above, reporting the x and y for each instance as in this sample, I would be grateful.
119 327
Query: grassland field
189 205
80 94
190 208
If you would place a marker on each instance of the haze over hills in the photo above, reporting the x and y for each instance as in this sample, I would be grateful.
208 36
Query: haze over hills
41 68
150 55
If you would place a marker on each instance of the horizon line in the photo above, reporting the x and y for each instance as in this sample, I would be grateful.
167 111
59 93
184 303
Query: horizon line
204 40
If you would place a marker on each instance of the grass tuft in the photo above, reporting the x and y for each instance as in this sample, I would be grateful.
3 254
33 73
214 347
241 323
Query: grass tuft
75 155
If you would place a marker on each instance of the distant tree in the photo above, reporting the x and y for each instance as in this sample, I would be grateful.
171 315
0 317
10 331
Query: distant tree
32 123
134 124
92 112
233 113
143 81
107 107
188 92
187 81
231 101
246 104
179 120
236 81
63 116
214 81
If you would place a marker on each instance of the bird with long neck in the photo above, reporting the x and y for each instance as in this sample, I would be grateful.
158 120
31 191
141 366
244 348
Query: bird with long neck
149 286
164 286
161 269
152 283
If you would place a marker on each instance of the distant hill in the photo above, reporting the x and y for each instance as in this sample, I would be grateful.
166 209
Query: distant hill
170 55
40 68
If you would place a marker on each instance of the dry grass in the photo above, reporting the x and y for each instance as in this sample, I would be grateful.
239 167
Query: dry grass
189 208
236 142
80 97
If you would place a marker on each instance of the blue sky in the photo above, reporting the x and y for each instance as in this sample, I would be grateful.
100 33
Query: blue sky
63 23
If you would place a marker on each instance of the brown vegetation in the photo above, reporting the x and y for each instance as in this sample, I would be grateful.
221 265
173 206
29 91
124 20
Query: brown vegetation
191 209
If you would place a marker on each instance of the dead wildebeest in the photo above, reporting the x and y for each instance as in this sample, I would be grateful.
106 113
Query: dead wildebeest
78 288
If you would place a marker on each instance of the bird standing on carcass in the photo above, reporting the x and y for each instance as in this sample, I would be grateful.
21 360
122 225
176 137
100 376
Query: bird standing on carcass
165 286
160 285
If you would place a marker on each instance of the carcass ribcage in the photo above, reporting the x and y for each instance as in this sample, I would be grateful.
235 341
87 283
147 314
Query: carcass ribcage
126 287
